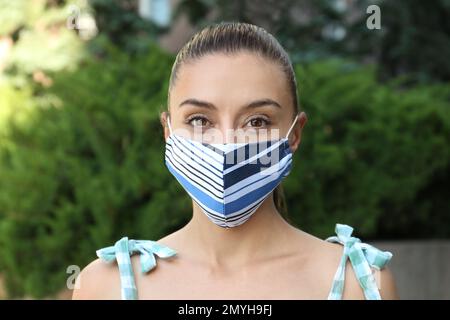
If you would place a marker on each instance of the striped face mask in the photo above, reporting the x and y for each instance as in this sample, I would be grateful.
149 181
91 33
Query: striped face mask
228 181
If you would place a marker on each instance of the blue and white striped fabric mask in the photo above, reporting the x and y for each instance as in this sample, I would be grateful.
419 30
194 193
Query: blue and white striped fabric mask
228 181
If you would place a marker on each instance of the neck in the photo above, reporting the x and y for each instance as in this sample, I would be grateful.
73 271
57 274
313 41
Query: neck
225 249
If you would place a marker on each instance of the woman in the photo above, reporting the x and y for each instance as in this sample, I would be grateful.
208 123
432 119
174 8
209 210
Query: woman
231 129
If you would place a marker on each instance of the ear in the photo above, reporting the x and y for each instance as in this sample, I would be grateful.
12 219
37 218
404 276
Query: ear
296 136
163 118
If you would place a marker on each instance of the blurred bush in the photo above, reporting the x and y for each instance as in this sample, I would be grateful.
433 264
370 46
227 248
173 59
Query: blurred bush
85 165
36 40
373 155
85 170
413 38
121 24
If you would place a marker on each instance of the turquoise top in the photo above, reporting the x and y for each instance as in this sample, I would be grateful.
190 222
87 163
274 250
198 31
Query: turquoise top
362 256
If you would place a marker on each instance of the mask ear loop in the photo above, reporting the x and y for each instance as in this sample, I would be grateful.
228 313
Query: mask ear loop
168 124
292 126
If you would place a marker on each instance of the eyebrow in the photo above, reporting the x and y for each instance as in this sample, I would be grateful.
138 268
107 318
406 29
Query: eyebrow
198 103
254 104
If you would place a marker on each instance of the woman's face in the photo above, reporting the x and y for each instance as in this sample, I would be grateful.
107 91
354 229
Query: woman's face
235 98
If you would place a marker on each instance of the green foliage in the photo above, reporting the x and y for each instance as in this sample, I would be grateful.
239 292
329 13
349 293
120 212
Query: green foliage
13 14
414 36
120 23
297 24
414 39
41 39
373 156
86 170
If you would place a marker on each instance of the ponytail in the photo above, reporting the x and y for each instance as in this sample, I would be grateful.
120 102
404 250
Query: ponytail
280 202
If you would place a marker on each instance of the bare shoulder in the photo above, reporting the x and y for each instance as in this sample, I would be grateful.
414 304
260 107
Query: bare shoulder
325 259
328 256
97 281
386 284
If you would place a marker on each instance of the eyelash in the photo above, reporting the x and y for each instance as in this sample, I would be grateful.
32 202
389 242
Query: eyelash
263 118
195 117
201 117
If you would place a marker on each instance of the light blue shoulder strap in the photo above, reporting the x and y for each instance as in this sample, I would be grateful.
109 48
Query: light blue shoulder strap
121 252
362 257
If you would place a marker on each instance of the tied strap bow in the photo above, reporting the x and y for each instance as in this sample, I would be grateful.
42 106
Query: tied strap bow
146 248
363 258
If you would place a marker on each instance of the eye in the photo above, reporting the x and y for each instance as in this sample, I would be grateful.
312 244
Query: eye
258 122
198 121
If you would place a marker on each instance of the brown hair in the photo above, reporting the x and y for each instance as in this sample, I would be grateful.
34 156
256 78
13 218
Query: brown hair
234 37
